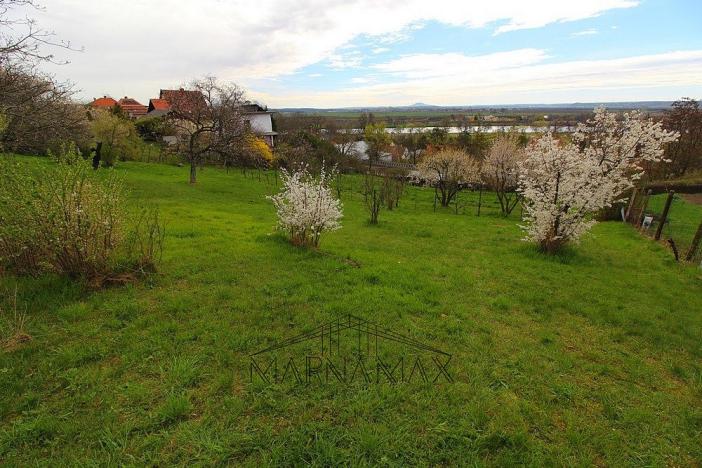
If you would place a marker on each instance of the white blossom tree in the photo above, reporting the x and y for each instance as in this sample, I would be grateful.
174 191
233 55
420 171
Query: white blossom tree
565 184
449 170
500 170
306 206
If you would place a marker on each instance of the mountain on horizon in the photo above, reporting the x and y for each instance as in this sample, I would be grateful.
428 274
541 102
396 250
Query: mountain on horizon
623 105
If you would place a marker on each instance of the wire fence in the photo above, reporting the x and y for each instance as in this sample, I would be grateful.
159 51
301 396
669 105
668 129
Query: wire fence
669 218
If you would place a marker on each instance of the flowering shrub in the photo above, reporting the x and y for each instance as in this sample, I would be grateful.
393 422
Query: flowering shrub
306 206
68 219
566 184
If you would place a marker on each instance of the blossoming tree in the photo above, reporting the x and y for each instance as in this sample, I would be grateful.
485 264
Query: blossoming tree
500 170
565 184
448 171
306 206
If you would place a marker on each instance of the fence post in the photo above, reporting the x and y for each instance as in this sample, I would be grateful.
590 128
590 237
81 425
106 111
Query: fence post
695 244
480 198
631 205
664 216
644 205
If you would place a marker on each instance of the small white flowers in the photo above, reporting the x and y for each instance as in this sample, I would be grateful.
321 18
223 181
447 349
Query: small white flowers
566 184
306 206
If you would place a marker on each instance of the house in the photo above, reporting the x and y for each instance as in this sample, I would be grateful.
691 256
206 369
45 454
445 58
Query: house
260 121
256 117
183 100
158 107
133 108
104 102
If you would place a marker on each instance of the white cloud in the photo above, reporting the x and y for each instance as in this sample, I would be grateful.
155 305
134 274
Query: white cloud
437 65
380 50
492 79
585 32
342 61
136 47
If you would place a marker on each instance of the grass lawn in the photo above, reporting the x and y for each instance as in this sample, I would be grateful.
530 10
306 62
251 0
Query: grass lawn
683 220
590 357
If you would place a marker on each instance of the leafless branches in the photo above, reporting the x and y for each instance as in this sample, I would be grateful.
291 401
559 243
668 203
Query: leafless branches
208 121
22 39
501 171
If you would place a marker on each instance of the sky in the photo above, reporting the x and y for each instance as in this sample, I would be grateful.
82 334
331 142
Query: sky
355 53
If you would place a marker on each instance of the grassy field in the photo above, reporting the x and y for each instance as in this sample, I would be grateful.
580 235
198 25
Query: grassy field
683 221
590 357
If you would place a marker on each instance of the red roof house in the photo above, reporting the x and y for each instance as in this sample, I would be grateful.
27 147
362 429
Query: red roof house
132 107
104 102
158 104
183 100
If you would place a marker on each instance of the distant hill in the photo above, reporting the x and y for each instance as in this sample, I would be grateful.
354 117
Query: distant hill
648 105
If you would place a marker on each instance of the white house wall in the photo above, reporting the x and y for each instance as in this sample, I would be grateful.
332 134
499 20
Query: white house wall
260 122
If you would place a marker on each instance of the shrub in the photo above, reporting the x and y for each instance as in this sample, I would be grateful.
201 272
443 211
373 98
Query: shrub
259 151
69 219
306 206
119 137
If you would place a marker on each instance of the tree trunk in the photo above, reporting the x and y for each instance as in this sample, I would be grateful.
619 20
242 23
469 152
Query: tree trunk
193 172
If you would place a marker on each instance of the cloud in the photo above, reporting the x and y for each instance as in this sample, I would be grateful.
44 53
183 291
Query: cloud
137 47
527 15
454 64
380 50
493 79
343 61
586 32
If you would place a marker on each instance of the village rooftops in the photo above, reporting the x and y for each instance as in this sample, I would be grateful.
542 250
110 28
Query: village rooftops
181 100
104 102
132 107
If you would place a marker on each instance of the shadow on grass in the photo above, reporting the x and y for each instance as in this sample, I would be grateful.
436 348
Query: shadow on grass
281 240
568 255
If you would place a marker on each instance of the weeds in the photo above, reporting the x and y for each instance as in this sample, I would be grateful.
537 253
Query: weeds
13 323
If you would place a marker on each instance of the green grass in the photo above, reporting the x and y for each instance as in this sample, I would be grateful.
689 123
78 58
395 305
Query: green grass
683 221
590 357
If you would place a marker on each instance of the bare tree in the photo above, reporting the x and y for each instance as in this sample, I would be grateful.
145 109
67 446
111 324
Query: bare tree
414 140
500 170
38 111
377 139
343 138
35 109
208 121
22 40
392 189
449 171
372 196
685 154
